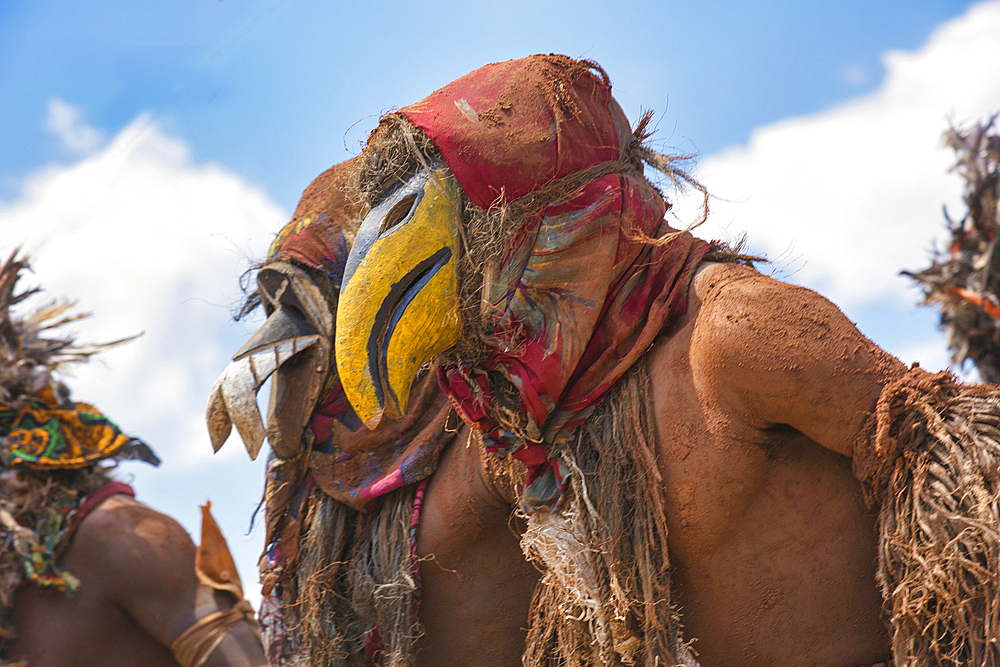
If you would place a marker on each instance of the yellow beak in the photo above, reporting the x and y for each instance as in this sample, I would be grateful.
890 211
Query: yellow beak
399 304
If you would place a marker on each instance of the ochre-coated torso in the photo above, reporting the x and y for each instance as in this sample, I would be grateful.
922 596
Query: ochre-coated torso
138 592
772 547
477 586
83 630
90 628
774 557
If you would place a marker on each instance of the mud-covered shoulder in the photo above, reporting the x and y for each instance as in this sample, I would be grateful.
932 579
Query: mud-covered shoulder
127 527
779 354
138 552
711 277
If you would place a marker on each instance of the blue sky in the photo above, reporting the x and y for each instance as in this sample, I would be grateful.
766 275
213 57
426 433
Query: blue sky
149 151
272 89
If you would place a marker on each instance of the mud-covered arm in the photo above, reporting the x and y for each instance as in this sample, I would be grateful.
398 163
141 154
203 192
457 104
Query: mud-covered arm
145 562
767 353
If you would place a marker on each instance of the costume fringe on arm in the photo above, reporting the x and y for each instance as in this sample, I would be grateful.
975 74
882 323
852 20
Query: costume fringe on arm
930 461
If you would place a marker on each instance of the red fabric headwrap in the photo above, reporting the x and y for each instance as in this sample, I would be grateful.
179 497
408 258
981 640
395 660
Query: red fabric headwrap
322 229
578 297
508 128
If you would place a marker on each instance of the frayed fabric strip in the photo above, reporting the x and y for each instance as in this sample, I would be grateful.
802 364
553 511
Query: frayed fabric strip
929 460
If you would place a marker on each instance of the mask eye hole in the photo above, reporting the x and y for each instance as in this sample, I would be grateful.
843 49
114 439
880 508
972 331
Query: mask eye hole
267 304
397 213
275 291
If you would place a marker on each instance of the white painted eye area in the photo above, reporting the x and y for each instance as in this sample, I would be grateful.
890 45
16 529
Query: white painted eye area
399 212
393 210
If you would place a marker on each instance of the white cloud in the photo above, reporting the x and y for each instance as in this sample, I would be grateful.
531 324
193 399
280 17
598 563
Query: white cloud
66 122
149 241
845 199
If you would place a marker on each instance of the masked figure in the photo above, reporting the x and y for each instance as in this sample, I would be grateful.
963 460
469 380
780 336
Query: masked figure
700 444
88 575
340 571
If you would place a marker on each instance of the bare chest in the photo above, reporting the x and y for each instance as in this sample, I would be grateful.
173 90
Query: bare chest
770 541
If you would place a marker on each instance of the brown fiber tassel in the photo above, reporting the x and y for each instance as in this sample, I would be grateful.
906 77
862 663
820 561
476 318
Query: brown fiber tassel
605 597
930 461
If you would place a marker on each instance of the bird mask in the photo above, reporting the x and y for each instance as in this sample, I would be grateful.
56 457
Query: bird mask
588 275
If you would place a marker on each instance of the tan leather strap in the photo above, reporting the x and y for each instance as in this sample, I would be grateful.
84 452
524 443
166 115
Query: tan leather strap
215 569
196 643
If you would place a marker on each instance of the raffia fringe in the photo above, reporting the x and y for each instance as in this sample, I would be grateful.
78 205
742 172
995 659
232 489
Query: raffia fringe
604 598
356 573
570 612
930 460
